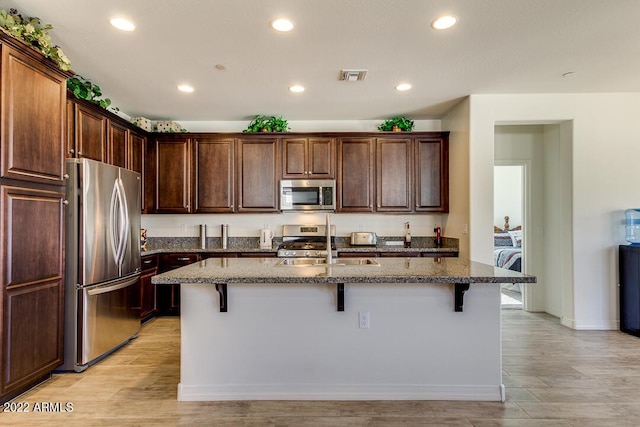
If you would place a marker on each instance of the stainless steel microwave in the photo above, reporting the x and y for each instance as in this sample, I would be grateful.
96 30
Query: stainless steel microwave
307 195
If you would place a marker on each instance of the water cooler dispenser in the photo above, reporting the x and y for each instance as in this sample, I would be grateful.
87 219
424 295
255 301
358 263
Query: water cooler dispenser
629 268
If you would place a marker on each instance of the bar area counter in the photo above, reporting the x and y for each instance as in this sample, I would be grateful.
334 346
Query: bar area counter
397 329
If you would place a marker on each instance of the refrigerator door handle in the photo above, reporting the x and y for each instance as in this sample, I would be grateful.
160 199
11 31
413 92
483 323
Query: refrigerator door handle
119 223
126 223
123 223
113 223
103 289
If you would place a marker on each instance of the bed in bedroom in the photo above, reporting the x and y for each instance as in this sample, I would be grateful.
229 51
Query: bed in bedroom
507 250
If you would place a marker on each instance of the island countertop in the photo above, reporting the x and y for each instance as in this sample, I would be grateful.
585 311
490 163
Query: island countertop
390 270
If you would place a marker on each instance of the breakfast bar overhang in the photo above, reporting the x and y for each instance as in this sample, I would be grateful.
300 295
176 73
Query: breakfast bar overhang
255 330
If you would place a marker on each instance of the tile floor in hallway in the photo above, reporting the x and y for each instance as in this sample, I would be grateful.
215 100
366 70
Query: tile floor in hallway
554 376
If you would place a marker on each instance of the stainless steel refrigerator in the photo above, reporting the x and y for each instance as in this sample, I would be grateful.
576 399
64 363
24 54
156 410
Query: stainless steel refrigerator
102 261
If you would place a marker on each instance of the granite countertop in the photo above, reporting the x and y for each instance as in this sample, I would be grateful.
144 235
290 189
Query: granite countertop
245 249
390 270
243 244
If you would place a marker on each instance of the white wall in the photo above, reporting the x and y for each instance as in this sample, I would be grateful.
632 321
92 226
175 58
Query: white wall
287 342
507 190
605 149
458 220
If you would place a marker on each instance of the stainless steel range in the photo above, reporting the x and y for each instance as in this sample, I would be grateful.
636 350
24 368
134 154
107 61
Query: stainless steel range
306 241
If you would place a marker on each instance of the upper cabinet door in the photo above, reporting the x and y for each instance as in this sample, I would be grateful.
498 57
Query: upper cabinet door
432 174
90 135
308 158
393 174
172 171
321 158
118 144
355 180
136 162
294 158
258 163
213 173
33 119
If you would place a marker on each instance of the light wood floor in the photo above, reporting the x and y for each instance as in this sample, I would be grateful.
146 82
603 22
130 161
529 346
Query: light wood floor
554 376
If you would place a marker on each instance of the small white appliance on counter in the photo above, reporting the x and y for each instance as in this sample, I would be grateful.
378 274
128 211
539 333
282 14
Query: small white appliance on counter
266 238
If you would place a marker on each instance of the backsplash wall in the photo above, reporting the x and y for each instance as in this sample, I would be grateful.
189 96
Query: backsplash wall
249 225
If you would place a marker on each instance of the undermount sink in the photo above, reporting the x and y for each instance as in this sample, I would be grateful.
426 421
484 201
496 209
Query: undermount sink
319 262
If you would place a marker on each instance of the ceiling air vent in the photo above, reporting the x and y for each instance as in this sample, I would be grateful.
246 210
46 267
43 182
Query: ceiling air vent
352 75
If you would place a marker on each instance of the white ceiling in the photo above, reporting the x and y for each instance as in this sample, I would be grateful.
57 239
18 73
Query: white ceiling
498 46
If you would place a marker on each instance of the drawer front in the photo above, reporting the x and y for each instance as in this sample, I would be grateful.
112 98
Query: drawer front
172 261
149 262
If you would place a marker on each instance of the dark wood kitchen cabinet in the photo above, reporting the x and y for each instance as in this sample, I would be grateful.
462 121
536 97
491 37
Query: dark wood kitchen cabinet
147 303
257 174
170 161
136 162
33 119
356 178
213 175
308 158
393 174
33 123
168 296
90 134
118 144
432 173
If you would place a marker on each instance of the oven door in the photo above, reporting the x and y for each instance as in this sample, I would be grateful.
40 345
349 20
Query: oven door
307 195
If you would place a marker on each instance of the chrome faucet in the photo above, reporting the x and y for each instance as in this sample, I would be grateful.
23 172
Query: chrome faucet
329 254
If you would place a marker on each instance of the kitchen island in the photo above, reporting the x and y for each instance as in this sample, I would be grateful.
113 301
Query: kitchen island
253 329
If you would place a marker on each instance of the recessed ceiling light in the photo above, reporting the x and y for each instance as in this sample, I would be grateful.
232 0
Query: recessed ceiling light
296 88
282 24
444 22
403 86
123 24
185 88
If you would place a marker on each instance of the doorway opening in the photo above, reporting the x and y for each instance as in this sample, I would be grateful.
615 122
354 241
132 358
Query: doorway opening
508 227
543 152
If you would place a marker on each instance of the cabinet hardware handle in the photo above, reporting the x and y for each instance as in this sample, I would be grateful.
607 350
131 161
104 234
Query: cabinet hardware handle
147 261
65 176
183 259
65 202
71 150
79 153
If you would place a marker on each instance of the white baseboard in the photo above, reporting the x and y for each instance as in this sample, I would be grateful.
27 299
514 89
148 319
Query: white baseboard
612 325
339 392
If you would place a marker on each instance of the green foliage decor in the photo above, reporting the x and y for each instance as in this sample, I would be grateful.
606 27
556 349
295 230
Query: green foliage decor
34 33
84 89
401 122
267 124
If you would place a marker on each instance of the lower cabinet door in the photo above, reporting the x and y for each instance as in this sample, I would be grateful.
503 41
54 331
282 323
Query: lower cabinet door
168 300
32 288
147 295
